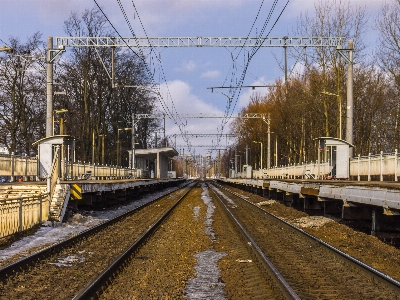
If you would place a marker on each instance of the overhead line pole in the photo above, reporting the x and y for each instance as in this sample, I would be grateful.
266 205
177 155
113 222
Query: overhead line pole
62 42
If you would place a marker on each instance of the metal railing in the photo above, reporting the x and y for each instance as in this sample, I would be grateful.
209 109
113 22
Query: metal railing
12 166
82 170
55 173
374 167
311 170
383 166
21 213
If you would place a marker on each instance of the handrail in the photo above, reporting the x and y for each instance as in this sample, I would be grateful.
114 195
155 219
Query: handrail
55 173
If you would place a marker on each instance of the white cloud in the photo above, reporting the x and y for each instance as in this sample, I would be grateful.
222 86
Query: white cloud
210 74
186 103
189 66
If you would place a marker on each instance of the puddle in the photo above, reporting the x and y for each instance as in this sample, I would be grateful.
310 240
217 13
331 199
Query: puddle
207 284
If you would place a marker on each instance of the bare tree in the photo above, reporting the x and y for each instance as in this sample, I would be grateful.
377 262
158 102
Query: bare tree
22 95
96 109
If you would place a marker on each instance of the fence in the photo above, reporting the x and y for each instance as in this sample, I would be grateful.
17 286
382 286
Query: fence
12 166
18 214
295 171
380 167
375 167
82 170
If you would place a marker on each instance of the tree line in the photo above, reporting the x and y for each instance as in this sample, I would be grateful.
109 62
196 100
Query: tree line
312 102
96 109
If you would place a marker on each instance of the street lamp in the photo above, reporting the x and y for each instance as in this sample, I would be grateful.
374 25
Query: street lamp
276 148
340 110
119 145
261 162
60 112
102 147
5 48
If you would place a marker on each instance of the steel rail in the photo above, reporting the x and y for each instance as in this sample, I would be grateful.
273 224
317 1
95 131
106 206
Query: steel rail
24 262
282 284
368 270
94 287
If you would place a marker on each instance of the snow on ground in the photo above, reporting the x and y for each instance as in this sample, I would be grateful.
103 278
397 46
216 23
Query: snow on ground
51 233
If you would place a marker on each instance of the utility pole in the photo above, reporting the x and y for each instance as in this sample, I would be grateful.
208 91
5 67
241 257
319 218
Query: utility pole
247 154
285 54
92 147
102 147
164 133
49 88
133 144
349 115
269 143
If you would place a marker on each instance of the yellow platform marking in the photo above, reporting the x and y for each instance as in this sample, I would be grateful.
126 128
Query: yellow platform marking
76 192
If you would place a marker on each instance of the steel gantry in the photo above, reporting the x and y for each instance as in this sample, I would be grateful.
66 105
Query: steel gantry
199 42
264 117
60 43
57 45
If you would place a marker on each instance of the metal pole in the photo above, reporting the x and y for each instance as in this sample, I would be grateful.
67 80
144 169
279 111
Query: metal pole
269 144
118 147
261 155
349 125
276 150
133 142
61 125
247 154
235 162
164 133
285 54
102 148
92 146
49 90
112 66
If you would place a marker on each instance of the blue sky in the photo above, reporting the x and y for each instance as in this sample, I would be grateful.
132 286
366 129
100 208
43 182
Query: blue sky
189 71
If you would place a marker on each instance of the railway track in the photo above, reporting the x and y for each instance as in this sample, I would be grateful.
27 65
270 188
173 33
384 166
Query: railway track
158 260
313 268
189 244
63 270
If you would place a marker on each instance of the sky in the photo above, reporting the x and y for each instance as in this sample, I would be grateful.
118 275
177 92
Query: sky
189 72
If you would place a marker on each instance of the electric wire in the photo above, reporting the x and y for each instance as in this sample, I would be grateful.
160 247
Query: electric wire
181 125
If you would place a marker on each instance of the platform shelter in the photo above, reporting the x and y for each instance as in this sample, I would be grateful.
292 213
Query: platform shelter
153 162
336 152
46 151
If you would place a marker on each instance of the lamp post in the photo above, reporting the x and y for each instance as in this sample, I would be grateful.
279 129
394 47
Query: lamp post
5 48
340 110
60 111
102 147
261 160
119 145
276 149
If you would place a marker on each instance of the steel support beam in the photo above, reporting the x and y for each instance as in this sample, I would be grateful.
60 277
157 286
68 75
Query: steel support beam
199 42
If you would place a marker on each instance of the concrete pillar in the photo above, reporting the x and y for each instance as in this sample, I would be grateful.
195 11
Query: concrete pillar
332 207
287 199
356 213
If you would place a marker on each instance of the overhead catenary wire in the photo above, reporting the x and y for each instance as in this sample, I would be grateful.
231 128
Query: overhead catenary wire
163 104
162 73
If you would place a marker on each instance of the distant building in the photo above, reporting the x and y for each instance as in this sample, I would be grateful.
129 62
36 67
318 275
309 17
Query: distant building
4 150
